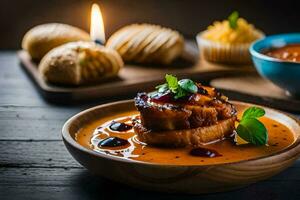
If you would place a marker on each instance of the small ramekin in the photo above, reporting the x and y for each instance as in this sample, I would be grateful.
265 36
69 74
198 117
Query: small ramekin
225 53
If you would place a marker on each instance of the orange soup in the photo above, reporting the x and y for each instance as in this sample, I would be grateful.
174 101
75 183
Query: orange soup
289 52
95 134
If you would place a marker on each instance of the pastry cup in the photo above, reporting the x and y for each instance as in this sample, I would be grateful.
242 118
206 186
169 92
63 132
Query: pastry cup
225 53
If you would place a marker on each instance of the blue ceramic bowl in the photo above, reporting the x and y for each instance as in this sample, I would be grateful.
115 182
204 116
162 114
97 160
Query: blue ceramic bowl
285 74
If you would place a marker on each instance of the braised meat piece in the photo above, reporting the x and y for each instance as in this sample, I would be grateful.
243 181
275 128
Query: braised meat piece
179 115
164 116
162 113
179 138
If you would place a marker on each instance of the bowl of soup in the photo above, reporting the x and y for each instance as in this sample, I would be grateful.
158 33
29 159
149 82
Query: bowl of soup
277 58
139 165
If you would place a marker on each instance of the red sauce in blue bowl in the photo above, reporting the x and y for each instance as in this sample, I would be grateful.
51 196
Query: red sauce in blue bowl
290 52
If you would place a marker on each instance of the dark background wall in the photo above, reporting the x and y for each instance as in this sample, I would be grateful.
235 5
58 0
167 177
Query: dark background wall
187 16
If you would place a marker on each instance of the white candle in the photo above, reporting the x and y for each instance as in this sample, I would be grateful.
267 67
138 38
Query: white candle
97 26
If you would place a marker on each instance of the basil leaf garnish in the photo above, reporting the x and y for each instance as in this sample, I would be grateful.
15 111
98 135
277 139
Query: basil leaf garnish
172 82
180 93
254 112
179 88
251 129
188 85
162 88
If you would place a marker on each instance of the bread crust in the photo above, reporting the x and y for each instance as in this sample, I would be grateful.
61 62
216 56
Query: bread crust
147 43
42 38
78 63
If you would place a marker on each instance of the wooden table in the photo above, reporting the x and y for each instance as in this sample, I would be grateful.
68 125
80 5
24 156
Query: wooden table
34 164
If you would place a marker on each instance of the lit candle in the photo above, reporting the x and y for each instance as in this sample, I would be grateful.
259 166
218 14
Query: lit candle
97 26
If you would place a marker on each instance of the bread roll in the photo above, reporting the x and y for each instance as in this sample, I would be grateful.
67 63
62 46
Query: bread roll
42 38
145 43
78 63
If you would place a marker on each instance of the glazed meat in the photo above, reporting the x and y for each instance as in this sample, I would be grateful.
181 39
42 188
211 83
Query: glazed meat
163 116
196 119
160 113
184 137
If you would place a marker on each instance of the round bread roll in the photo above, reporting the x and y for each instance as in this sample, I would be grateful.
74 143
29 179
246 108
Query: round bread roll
42 38
77 63
146 43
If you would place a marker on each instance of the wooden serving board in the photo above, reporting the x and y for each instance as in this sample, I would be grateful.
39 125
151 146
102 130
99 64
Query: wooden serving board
237 82
132 78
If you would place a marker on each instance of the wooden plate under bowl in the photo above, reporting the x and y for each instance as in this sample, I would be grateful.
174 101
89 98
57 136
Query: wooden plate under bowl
178 178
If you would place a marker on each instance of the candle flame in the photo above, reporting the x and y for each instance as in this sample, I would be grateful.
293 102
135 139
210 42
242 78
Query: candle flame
97 26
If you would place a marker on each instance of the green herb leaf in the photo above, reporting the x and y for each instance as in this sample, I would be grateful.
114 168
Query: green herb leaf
180 93
253 112
179 88
172 82
162 88
188 85
253 131
233 18
152 94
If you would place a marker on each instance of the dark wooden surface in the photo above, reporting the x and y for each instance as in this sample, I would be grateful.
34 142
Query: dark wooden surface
34 163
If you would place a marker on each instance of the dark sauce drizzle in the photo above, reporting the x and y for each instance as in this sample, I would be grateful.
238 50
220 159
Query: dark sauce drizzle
120 126
204 152
113 142
123 127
